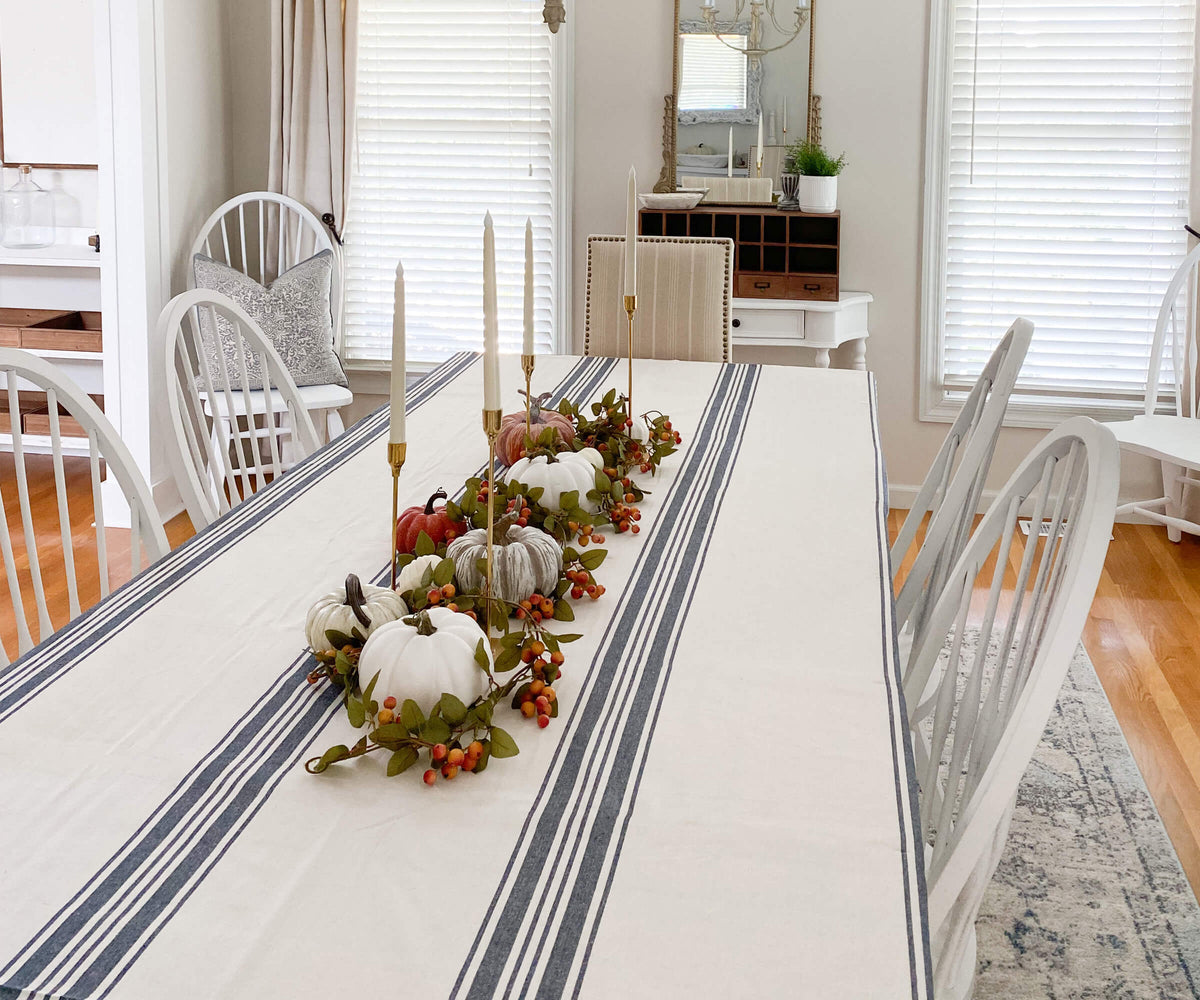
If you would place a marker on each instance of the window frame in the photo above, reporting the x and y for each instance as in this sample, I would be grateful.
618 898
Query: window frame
936 403
371 376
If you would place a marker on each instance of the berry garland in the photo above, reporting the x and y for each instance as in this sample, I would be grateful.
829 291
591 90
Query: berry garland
527 657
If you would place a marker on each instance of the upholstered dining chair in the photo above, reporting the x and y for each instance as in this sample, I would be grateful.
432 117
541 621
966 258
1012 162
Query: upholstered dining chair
94 440
953 486
263 234
238 422
1168 428
685 298
982 681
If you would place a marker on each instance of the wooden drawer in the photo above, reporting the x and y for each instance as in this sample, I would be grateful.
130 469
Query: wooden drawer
73 331
13 320
762 286
818 287
29 401
38 421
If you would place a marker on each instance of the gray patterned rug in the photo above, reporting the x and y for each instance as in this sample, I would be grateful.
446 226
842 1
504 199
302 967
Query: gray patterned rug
1089 900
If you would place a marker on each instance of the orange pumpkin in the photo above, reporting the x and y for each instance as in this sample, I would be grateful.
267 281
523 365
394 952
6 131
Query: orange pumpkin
434 521
510 443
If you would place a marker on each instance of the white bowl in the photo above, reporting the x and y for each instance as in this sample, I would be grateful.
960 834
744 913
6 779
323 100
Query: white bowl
673 199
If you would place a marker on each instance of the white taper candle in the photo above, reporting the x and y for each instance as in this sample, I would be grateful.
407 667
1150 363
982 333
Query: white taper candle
758 162
631 236
396 430
491 325
527 342
729 159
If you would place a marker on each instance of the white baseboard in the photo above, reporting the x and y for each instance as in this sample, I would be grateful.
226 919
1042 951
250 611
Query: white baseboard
902 498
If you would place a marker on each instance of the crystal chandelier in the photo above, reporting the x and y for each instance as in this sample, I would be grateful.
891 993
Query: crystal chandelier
760 12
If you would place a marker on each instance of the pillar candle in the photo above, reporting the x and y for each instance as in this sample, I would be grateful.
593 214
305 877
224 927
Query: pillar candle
399 389
631 236
527 343
491 326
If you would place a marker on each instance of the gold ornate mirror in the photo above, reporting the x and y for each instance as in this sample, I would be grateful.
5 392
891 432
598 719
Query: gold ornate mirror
734 60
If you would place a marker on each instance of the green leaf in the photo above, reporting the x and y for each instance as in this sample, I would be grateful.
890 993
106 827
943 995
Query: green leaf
563 612
481 655
503 745
592 558
401 761
370 689
343 664
338 639
356 712
570 555
424 546
411 716
568 636
569 500
443 572
453 710
393 735
484 757
508 660
479 716
435 731
603 483
332 756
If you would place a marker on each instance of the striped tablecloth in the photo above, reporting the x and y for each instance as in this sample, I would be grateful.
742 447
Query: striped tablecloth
722 809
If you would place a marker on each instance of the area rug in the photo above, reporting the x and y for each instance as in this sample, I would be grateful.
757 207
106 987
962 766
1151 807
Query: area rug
1089 900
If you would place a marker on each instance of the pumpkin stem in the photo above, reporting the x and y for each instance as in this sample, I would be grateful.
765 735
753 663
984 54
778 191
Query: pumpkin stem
356 600
422 622
439 495
506 522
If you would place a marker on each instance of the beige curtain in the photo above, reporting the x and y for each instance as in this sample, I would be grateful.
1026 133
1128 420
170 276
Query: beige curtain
313 49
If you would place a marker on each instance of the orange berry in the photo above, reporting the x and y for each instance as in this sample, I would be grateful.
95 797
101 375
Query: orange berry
542 704
550 695
455 757
389 702
528 709
537 616
536 599
448 590
430 776
635 529
583 539
536 688
449 771
538 647
543 721
629 498
475 749
521 613
527 605
593 590
470 763
528 655
386 715
547 610
576 592
557 657
434 596
452 607
439 752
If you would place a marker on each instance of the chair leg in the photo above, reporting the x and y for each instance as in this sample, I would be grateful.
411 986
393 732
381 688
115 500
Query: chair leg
1173 491
333 424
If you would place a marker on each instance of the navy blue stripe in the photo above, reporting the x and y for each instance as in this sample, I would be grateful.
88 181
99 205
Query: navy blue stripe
41 666
906 785
620 637
220 820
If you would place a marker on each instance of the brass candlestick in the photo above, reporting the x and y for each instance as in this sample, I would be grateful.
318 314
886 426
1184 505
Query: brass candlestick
396 454
527 368
491 427
630 309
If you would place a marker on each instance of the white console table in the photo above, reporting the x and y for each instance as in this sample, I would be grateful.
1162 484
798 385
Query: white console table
821 326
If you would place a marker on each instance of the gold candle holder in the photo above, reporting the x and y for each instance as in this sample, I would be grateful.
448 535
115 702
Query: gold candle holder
630 309
396 454
527 368
491 427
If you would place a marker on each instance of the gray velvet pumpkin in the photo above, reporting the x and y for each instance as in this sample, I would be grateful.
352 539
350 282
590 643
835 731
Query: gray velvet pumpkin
524 561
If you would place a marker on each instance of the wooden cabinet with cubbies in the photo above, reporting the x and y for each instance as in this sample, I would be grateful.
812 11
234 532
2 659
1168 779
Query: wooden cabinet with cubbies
778 255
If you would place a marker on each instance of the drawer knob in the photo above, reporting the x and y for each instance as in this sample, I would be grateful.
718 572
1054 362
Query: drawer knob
737 323
812 288
764 285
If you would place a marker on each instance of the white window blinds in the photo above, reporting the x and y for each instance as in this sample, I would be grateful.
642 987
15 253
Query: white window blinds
1068 145
454 118
712 75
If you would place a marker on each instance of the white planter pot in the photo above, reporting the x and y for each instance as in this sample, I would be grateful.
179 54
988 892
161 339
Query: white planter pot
817 194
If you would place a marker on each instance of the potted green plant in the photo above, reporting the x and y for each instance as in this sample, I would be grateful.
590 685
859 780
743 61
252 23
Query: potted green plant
816 189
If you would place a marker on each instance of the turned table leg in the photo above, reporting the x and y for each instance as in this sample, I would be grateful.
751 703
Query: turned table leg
823 357
858 357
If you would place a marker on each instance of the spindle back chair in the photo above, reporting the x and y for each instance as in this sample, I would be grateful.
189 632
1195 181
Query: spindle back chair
107 457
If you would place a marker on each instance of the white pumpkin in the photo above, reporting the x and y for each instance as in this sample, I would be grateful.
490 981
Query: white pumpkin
354 606
524 560
570 470
424 656
411 576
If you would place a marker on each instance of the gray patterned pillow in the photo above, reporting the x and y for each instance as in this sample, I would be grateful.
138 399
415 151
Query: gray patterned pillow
293 311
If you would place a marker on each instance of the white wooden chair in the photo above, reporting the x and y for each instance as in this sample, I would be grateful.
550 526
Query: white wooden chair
229 437
148 541
1171 438
953 486
262 234
976 716
685 298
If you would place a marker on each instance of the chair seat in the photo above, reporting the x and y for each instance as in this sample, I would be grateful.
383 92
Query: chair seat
314 397
1169 439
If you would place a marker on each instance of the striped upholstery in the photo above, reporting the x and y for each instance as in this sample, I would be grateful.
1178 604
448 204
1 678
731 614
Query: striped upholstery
685 298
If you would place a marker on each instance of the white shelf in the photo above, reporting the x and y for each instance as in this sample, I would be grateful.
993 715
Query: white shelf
40 444
61 255
52 355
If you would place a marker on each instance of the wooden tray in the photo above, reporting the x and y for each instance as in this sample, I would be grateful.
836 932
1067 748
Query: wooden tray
72 331
12 321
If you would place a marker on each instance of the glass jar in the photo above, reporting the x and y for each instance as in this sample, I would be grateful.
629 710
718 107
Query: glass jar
27 213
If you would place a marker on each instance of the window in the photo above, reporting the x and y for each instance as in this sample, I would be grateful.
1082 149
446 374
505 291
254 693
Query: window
712 75
458 113
1057 172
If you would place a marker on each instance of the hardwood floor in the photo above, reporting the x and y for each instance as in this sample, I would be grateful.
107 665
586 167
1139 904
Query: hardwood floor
1143 633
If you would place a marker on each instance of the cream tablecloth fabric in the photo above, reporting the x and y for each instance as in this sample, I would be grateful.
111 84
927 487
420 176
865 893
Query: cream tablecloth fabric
723 808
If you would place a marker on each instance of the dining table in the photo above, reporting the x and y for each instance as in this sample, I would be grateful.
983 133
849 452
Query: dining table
724 806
